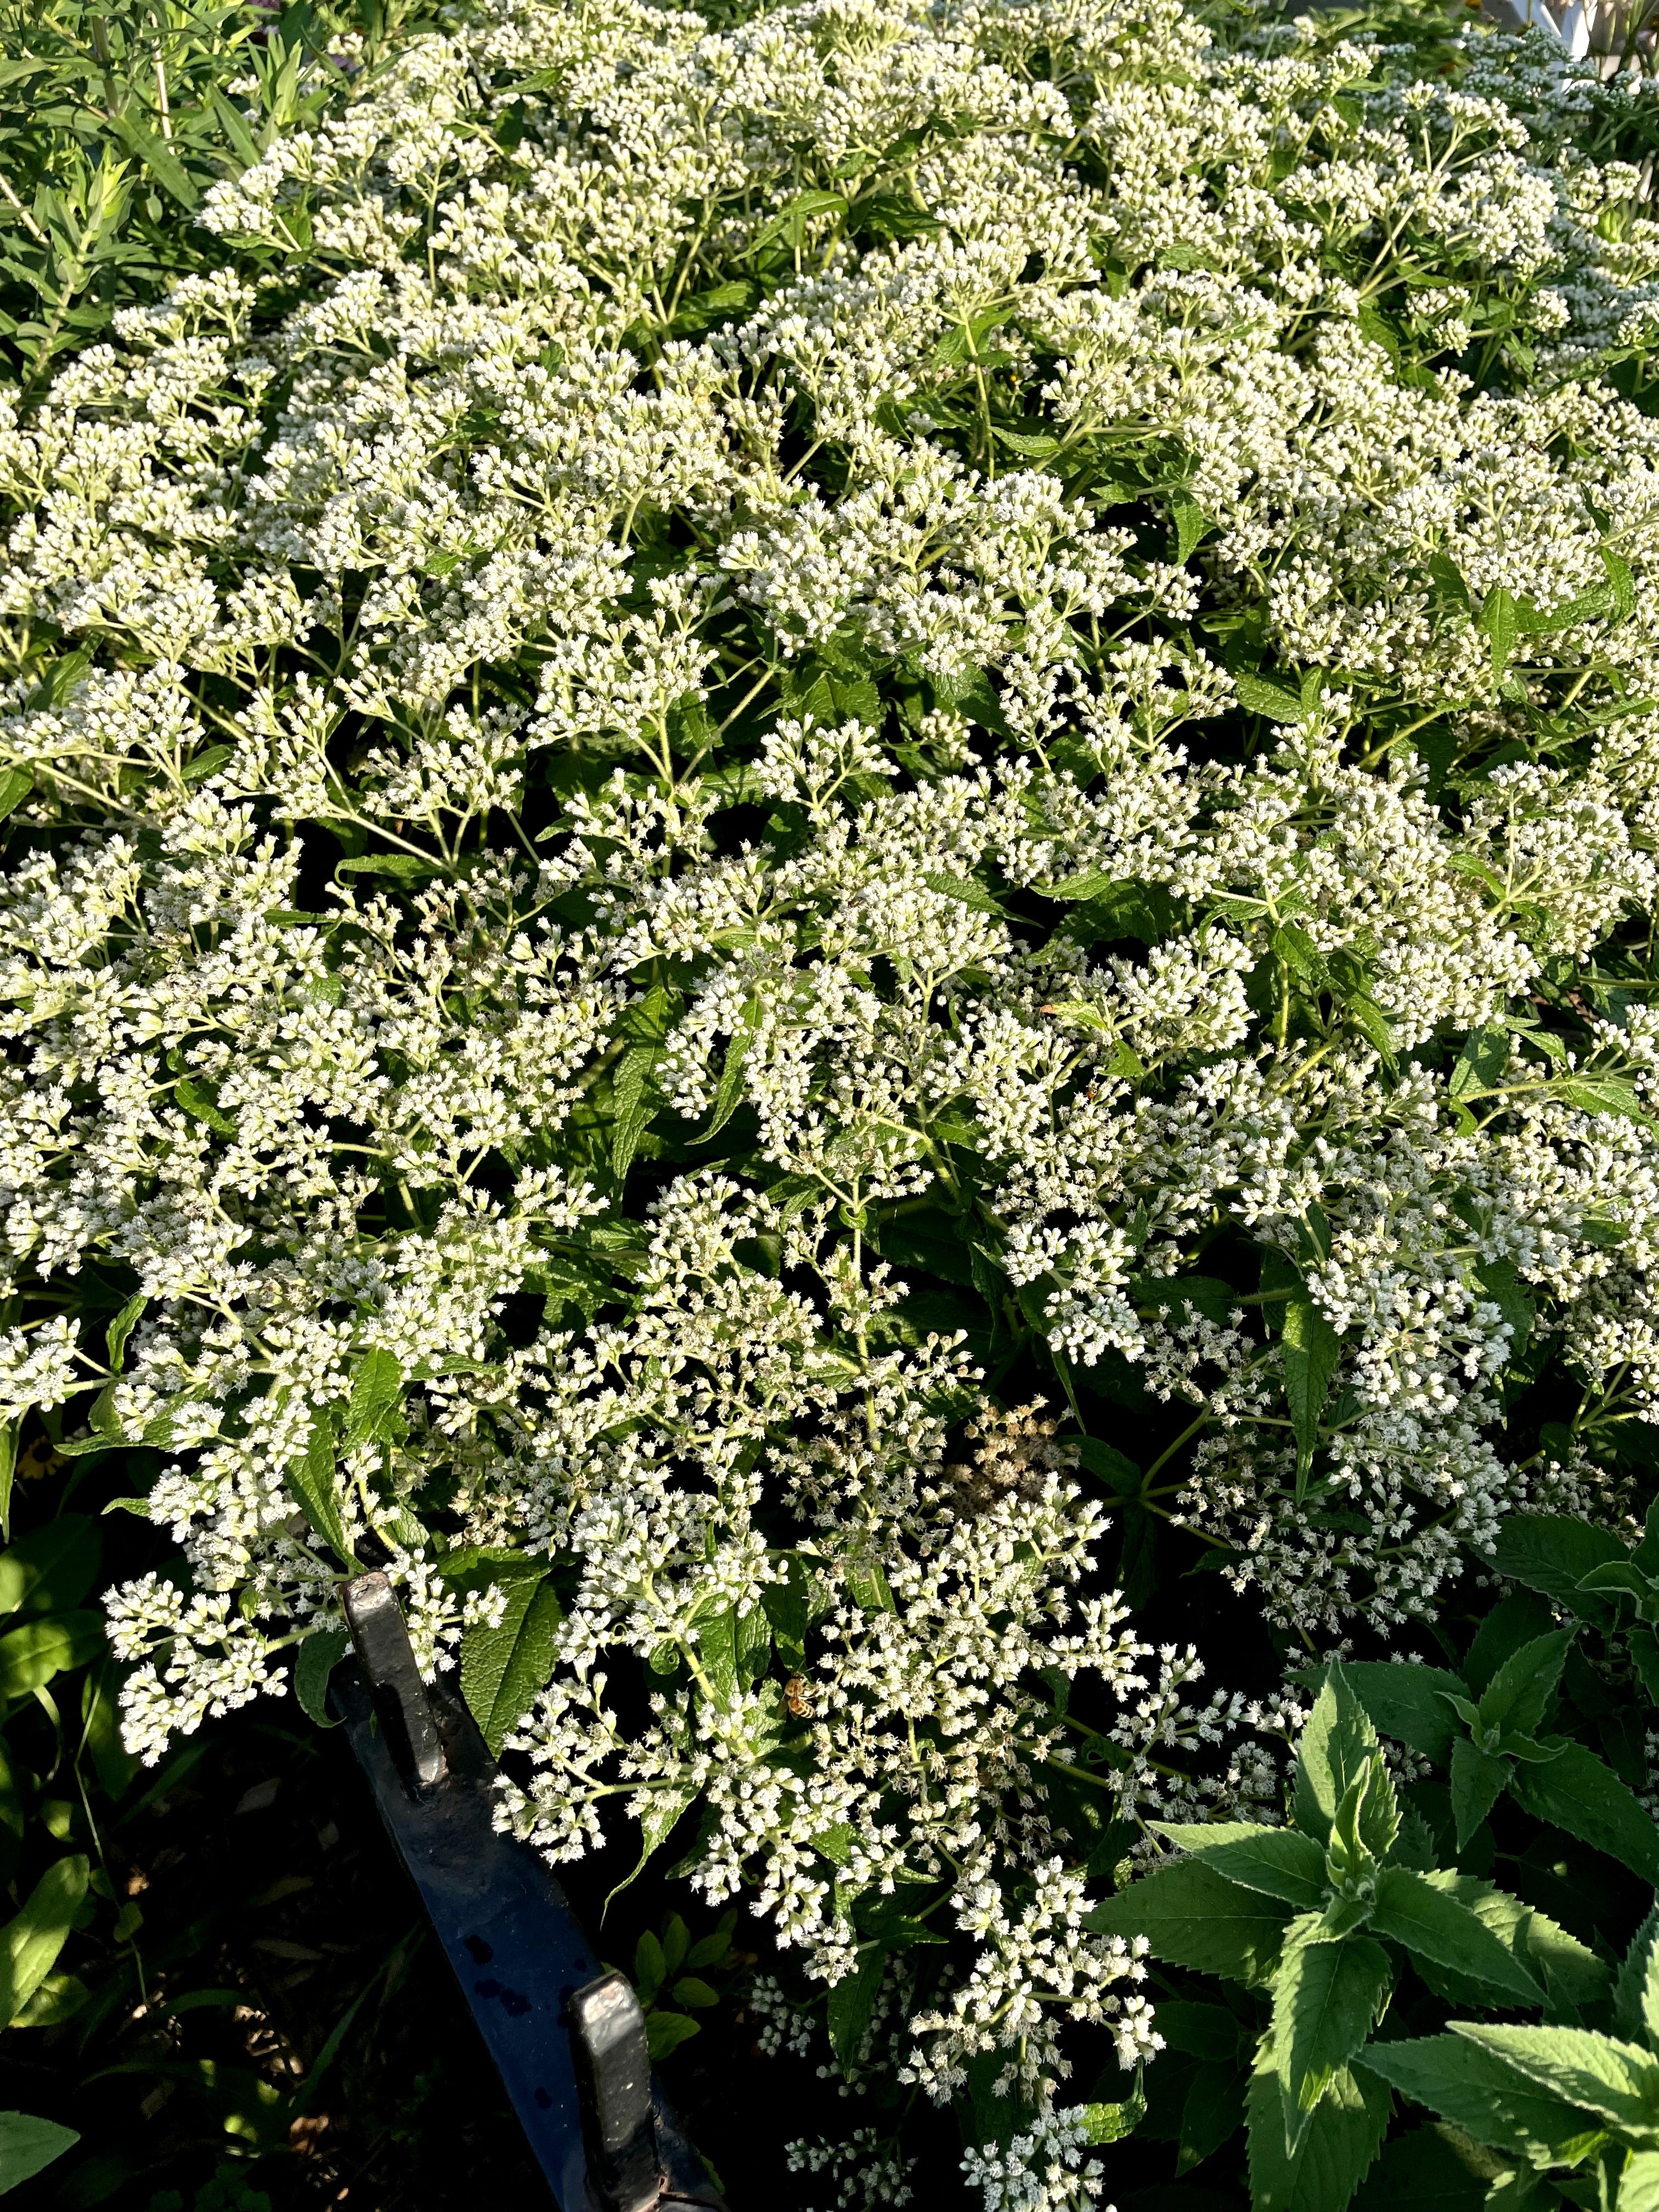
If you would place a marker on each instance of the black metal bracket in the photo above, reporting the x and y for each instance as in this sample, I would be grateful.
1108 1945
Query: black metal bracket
568 2038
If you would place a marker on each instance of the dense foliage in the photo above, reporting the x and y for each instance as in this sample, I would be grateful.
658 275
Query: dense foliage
796 805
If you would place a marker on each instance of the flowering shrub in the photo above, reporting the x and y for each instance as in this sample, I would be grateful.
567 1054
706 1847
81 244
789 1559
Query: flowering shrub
761 740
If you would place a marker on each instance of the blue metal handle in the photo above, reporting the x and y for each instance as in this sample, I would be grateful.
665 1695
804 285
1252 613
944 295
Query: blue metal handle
591 2109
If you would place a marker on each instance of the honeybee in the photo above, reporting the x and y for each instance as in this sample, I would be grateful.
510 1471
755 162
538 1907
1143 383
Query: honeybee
795 1696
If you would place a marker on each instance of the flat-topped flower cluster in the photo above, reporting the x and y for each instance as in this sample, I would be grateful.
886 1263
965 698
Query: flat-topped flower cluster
753 730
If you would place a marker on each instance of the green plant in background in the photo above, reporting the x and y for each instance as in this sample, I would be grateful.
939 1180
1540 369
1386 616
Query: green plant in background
1324 1915
115 119
1569 2102
1484 1724
671 1974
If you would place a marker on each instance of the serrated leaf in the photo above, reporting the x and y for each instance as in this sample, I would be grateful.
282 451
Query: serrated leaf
1522 1691
851 2003
1551 1552
1312 1353
1193 1917
966 892
1403 1700
1336 2150
1335 1748
791 220
1110 2123
1327 1995
1410 1909
1271 700
1581 1794
1615 2080
312 1478
1500 620
1481 1064
1277 1862
1631 1990
504 1669
1478 1781
377 1392
1479 2092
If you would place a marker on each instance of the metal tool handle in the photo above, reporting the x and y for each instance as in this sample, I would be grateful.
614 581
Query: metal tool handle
568 2038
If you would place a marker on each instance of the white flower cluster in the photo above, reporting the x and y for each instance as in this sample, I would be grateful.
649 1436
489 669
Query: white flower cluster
1046 2171
752 722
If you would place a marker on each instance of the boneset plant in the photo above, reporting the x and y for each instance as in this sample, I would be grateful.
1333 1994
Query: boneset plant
801 807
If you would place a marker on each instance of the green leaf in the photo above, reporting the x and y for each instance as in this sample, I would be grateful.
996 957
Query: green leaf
1503 1287
689 1990
1209 2032
157 157
664 2032
729 1095
1522 1691
1118 1472
1478 1781
399 867
30 1942
60 1996
1636 1992
1500 620
791 220
200 1103
504 1669
1193 1917
377 1393
853 2002
52 1568
14 787
1336 2148
1192 526
1271 700
28 2146
1621 580
1277 1862
1411 1910
1403 1701
634 1109
664 1811
1312 1351
1551 1552
1580 1793
115 1335
650 1967
1327 1994
966 892
1481 1064
1485 2098
317 1656
1431 2169
1336 1747
1212 2114
32 1655
1599 2075
1111 2124
311 1477
1639 2182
